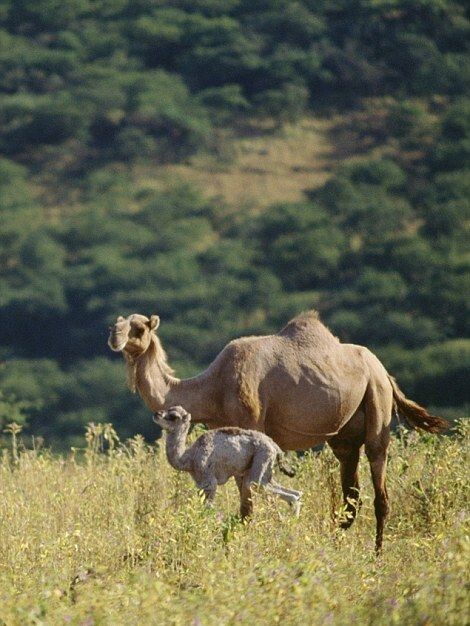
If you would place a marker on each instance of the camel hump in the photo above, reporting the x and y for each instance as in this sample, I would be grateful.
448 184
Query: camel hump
306 318
307 323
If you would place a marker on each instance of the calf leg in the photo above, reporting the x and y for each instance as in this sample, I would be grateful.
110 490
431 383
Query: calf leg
261 472
261 469
290 498
208 485
246 503
294 492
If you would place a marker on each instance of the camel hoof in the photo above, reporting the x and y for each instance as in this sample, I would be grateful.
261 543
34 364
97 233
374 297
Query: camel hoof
346 524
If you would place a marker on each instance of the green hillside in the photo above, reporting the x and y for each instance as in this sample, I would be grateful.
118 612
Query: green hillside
227 165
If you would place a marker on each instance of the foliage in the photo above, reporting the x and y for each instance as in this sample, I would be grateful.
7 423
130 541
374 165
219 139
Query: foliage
140 79
116 535
91 93
385 265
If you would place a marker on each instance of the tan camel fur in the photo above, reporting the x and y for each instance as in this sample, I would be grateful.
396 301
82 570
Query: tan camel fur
217 455
301 386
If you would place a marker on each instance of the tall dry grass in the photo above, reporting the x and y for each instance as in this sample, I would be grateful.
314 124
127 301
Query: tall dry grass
118 537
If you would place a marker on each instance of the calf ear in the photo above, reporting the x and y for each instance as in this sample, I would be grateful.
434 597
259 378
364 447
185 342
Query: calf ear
154 322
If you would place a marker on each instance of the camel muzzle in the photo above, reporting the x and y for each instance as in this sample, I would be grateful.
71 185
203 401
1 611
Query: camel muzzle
158 415
117 339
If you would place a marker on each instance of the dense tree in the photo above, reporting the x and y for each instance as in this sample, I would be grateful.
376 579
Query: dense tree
126 74
91 89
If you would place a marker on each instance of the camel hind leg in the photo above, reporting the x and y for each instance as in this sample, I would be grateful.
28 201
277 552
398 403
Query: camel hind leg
294 492
378 409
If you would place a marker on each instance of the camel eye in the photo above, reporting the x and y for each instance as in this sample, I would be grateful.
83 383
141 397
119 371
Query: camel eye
171 417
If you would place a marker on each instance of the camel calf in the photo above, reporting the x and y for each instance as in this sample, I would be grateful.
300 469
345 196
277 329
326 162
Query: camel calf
247 455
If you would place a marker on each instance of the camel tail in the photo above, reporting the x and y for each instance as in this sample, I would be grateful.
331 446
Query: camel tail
285 469
415 414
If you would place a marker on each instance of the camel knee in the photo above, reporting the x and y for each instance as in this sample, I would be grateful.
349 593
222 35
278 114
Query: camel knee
377 451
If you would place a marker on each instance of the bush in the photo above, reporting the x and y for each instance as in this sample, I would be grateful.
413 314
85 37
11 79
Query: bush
300 244
426 372
286 104
383 173
27 121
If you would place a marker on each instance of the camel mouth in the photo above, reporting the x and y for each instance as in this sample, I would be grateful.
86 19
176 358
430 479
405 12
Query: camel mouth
159 421
118 335
157 416
115 346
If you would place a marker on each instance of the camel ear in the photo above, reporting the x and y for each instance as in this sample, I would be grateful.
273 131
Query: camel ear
154 322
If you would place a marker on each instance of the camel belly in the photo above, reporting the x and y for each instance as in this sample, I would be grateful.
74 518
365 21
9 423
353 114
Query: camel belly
288 439
305 412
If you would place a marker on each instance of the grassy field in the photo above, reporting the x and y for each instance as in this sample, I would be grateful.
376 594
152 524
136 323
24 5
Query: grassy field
259 166
119 537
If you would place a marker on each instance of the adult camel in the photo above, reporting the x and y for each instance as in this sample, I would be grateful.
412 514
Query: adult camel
301 386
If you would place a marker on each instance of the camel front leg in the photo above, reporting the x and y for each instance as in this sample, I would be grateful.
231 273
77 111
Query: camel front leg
347 454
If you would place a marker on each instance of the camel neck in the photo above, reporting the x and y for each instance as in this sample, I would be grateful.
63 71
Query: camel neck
151 382
176 448
159 390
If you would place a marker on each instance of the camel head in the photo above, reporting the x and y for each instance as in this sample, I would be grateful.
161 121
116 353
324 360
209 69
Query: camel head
132 335
173 419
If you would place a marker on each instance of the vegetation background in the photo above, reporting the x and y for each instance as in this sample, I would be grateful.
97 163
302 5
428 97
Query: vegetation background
226 165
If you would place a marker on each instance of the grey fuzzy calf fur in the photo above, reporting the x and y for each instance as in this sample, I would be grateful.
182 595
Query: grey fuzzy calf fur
217 455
